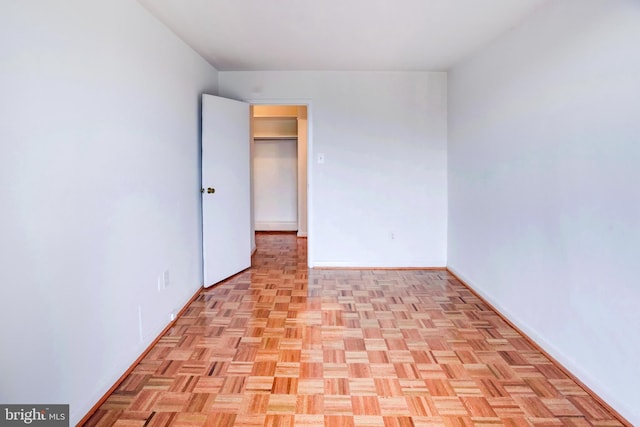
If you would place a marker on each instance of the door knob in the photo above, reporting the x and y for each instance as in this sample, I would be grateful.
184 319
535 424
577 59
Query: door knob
211 190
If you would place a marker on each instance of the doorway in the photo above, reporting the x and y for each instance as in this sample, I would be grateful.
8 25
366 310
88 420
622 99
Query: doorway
279 145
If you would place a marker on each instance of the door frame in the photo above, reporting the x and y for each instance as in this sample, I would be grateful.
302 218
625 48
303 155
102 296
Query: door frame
308 103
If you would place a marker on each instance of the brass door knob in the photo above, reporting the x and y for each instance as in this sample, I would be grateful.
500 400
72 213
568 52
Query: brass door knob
211 190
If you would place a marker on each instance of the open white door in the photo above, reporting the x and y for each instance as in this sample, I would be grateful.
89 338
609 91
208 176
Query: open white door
226 197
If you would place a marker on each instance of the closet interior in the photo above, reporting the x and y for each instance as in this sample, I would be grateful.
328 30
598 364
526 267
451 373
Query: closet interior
279 147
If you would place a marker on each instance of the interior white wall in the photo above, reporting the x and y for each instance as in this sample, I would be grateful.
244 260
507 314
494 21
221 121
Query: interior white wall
100 170
383 136
544 209
275 184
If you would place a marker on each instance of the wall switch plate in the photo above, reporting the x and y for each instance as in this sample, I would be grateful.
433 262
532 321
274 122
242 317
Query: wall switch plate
320 158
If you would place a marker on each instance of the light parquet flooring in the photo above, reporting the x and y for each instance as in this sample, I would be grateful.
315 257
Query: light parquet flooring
281 345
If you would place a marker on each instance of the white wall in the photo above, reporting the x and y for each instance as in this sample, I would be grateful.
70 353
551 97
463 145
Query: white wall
383 135
275 184
100 170
544 207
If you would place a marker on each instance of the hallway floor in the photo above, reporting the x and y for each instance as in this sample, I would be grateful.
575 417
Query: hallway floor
281 345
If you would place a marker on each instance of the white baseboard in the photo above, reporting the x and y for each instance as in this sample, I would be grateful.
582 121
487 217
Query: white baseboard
369 266
276 226
336 264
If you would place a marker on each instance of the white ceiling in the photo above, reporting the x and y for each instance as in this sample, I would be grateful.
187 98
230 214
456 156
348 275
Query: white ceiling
370 35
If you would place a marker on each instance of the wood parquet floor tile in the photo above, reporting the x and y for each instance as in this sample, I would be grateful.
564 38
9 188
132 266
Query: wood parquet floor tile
281 345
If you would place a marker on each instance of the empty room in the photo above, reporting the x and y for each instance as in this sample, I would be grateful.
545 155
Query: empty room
305 213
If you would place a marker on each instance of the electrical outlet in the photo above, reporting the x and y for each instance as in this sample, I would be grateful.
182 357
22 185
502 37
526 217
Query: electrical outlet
140 323
165 279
